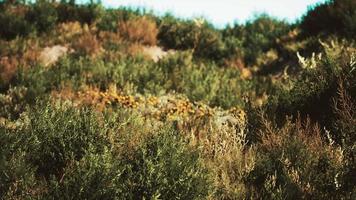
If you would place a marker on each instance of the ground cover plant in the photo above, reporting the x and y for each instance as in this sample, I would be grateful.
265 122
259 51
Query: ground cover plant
100 103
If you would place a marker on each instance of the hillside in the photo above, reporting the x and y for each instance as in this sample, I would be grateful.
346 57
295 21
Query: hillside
99 103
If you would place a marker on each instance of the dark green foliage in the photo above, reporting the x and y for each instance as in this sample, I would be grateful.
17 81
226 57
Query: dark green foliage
69 147
37 80
17 177
205 41
93 177
85 14
332 17
163 167
314 90
257 36
13 103
42 15
92 126
13 24
177 34
109 20
60 135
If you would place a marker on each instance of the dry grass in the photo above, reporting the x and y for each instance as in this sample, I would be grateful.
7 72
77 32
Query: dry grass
110 37
345 106
30 57
235 62
8 68
136 49
142 30
68 31
307 132
88 44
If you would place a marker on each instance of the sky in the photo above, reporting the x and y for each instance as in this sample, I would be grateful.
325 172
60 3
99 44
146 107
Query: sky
221 12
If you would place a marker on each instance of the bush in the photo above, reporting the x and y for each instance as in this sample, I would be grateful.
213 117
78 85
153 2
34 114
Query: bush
84 155
294 161
163 167
178 35
87 45
37 81
85 13
345 128
205 41
42 15
93 177
313 91
60 135
8 68
13 24
111 18
141 30
257 36
13 102
332 17
17 177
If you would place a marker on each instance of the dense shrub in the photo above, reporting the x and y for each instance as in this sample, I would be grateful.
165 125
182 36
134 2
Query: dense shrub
345 128
13 23
257 36
295 162
93 177
205 41
313 91
8 68
42 15
164 167
17 177
332 17
37 81
60 135
107 122
85 13
13 102
141 30
70 147
110 19
87 45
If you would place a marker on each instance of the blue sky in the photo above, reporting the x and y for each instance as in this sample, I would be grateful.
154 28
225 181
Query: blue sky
222 12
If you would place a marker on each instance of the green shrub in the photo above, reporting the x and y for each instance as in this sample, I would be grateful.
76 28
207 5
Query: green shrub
42 15
13 102
17 177
93 177
60 135
199 82
159 165
13 25
163 167
205 41
313 90
84 13
257 35
109 20
332 17
37 81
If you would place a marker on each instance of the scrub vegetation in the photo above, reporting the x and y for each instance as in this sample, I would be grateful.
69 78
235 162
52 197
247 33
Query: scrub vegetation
99 103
